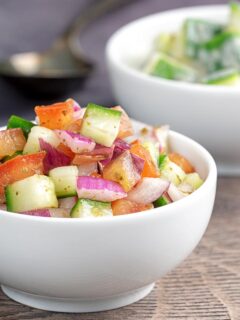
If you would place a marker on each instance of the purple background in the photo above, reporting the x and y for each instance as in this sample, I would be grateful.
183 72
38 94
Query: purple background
33 24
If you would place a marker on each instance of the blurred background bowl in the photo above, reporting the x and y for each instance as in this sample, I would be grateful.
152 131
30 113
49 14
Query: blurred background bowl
209 114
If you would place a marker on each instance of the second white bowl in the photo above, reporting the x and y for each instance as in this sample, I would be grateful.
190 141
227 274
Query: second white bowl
209 114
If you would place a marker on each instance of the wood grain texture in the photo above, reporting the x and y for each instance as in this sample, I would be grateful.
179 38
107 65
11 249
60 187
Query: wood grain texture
205 287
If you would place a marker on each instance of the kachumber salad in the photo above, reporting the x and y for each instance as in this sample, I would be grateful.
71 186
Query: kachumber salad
85 162
202 51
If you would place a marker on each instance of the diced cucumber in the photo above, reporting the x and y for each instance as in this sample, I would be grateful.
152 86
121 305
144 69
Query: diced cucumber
65 180
153 149
35 192
222 52
234 20
164 42
101 124
162 160
18 122
161 65
162 201
37 132
85 208
226 77
193 179
172 172
196 32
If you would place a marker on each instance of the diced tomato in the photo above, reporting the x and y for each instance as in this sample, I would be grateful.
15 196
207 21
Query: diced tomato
20 168
123 206
181 162
123 171
66 150
11 140
149 170
55 116
85 158
75 126
125 129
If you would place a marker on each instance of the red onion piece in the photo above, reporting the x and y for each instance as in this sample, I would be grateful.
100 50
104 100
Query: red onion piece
148 190
53 158
67 203
138 162
49 213
76 142
99 189
174 193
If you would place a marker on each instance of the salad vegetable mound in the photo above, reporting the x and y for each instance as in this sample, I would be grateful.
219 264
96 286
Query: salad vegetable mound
85 162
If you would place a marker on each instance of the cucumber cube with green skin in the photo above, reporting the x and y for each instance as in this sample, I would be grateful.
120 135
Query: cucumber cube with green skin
18 122
196 32
234 20
171 44
153 149
37 132
162 160
222 52
194 180
101 124
172 172
162 201
227 77
85 208
35 192
164 66
65 180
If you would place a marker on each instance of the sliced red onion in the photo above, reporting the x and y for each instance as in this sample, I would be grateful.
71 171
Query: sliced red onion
174 193
60 212
76 142
148 190
99 189
161 134
67 203
53 158
38 213
107 152
138 162
49 213
119 143
87 169
119 147
77 110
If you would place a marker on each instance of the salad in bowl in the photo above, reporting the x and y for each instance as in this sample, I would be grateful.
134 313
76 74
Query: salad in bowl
201 51
75 162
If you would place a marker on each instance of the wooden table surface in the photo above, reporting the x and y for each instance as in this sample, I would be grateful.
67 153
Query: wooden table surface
205 286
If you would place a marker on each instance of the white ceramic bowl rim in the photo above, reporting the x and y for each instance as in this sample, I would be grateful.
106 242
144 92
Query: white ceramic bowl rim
161 81
148 214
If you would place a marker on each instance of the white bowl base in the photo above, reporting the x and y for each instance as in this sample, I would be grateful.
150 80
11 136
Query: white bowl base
74 305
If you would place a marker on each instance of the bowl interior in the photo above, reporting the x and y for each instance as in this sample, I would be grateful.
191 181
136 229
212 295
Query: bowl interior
132 44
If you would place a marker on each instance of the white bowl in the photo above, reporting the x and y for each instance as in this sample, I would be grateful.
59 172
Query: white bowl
209 114
83 265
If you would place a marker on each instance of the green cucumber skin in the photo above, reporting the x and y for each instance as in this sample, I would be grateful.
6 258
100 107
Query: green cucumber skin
18 122
101 124
83 204
8 199
162 201
35 192
202 30
65 181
